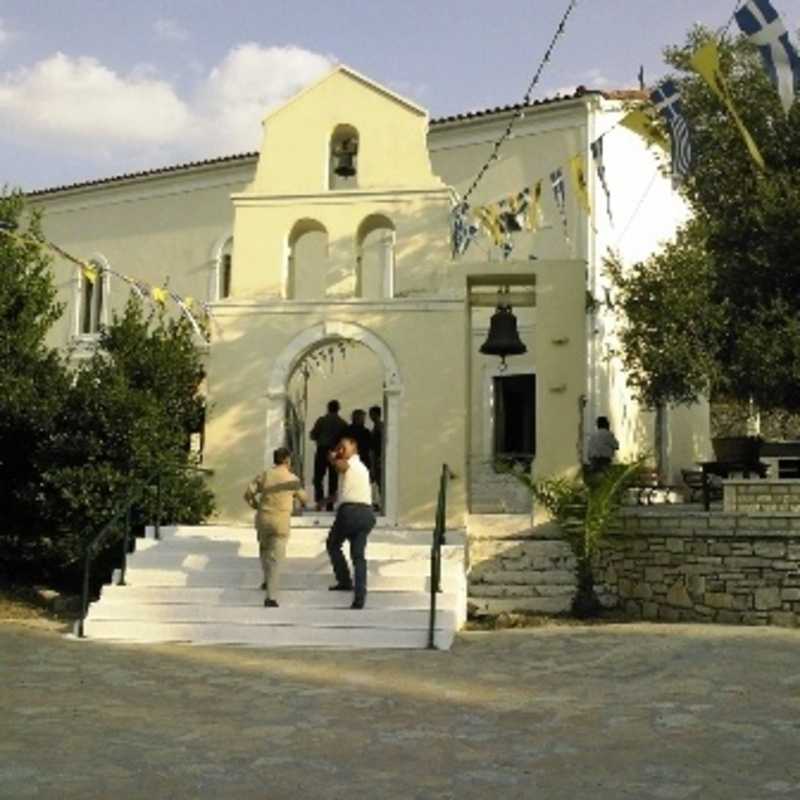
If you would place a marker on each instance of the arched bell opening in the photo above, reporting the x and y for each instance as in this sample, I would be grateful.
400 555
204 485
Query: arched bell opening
343 158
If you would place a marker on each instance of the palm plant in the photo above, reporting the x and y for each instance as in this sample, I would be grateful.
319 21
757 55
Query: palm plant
585 510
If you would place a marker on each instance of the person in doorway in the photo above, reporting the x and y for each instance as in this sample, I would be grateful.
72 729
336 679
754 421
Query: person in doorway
377 455
359 431
272 494
325 434
354 520
603 446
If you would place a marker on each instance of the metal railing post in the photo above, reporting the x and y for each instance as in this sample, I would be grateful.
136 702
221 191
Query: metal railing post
157 526
125 544
87 562
436 554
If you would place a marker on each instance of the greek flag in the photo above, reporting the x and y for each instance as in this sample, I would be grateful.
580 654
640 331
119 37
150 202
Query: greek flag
667 100
759 21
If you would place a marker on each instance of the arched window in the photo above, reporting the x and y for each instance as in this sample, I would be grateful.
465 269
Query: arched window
375 242
343 158
225 270
307 267
92 299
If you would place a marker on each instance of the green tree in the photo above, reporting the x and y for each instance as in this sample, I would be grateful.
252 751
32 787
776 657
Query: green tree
718 309
33 377
128 415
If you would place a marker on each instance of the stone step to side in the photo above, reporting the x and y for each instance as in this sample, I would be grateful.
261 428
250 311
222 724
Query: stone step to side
515 565
269 636
199 585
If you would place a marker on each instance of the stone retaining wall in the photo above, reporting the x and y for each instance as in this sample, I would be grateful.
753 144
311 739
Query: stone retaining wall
721 567
514 567
780 496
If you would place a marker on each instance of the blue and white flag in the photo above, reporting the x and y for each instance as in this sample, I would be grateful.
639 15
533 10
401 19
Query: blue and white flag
600 166
762 24
667 100
463 230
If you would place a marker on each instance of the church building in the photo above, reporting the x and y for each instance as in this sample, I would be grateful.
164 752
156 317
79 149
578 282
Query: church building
326 264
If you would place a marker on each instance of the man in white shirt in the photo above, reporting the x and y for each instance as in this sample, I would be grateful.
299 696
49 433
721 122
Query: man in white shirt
603 446
354 520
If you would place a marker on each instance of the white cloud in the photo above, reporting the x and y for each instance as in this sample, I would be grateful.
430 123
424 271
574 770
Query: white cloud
171 30
80 105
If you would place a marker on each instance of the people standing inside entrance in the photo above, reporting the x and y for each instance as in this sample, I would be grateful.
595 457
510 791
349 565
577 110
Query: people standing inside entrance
354 520
603 446
326 433
359 431
272 494
377 455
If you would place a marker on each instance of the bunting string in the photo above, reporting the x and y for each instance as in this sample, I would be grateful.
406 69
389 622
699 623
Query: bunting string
92 272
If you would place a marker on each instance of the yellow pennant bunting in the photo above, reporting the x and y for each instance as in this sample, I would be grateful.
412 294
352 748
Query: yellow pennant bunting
159 295
705 62
534 220
641 122
487 216
89 272
577 170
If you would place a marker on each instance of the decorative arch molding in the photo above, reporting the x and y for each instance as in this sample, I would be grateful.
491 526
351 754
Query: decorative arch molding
284 366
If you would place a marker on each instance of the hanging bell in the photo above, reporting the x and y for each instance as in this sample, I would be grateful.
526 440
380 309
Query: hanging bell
503 339
345 158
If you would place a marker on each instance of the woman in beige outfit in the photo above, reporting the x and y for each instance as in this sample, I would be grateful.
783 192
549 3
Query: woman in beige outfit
272 495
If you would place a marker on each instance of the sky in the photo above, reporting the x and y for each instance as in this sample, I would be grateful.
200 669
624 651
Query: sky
92 88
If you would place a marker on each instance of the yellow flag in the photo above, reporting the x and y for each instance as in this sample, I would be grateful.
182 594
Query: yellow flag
487 216
705 61
577 168
642 123
188 302
535 208
89 272
159 295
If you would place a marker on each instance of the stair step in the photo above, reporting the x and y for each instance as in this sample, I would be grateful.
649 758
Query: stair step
300 546
319 565
336 615
267 635
252 577
147 595
315 533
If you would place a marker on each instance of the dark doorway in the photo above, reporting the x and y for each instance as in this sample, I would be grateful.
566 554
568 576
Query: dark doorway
515 418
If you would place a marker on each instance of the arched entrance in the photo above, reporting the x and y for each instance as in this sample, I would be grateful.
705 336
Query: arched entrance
278 394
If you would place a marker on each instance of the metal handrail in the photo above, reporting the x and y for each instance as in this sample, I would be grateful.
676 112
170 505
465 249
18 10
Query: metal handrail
124 510
439 539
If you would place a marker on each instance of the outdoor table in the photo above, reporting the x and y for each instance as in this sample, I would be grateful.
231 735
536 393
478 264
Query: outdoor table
727 469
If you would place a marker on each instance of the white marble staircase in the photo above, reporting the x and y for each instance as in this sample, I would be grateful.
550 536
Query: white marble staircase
199 585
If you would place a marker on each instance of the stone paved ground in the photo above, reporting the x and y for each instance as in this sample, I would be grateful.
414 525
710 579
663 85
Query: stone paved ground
618 711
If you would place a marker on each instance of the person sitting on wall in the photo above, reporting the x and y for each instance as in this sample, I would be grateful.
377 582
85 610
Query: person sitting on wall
354 520
325 434
603 446
272 495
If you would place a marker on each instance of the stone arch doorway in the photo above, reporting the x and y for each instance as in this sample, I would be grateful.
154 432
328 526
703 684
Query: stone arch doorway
278 394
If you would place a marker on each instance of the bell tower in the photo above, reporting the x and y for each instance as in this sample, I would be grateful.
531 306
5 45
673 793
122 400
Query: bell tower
344 203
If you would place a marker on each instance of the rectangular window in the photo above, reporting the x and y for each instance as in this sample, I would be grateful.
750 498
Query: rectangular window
515 417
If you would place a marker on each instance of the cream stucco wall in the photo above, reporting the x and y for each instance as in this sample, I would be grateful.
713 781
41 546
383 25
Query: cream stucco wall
174 224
